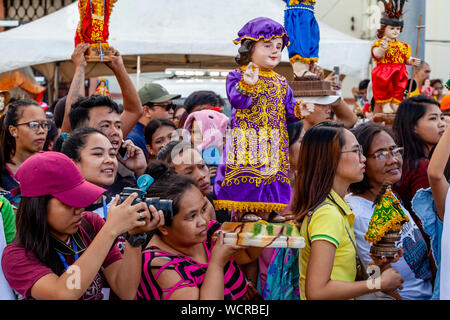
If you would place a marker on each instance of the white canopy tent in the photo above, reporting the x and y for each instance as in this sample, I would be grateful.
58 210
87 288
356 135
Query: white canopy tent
167 34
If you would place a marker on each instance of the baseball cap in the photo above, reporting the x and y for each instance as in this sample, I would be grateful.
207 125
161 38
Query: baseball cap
53 173
445 103
155 93
323 100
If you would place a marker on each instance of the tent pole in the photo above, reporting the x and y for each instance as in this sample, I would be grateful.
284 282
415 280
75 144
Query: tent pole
138 71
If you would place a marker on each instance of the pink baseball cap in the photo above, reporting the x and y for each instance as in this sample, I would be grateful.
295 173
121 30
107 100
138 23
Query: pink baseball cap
53 173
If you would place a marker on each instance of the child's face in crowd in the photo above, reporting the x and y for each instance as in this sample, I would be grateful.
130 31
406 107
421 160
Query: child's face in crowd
190 163
27 139
108 122
267 54
380 168
62 219
431 126
190 225
160 138
351 164
98 161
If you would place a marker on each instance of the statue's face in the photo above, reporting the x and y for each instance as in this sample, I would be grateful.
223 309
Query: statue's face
392 32
267 54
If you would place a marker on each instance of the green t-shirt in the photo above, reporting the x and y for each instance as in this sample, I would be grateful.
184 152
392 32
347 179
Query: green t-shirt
9 219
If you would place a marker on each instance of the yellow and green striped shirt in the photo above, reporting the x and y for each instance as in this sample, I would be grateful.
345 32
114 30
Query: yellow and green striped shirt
329 224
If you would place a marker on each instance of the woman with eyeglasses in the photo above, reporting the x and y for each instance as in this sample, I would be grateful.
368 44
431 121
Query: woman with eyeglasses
330 160
23 132
384 165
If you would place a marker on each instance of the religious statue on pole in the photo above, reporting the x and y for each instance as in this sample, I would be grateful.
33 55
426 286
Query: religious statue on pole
93 28
390 76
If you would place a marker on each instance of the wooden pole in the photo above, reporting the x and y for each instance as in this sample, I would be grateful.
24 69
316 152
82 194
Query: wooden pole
417 53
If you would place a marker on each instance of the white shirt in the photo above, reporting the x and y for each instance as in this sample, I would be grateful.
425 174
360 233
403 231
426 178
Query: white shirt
414 266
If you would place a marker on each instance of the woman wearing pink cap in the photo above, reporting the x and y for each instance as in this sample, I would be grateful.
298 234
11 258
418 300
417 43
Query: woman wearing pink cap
61 252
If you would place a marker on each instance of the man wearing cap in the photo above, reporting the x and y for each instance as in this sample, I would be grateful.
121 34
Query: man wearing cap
157 103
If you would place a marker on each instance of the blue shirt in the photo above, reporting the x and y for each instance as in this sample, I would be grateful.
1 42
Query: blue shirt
423 205
138 137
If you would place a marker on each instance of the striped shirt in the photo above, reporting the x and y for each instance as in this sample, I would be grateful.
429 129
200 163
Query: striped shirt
192 273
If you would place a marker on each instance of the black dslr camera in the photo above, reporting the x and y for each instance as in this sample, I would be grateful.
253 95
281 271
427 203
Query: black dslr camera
160 204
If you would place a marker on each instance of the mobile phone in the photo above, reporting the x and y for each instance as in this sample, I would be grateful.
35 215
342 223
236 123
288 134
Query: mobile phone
123 151
336 74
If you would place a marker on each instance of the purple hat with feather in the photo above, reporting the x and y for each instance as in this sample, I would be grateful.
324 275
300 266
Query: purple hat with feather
262 28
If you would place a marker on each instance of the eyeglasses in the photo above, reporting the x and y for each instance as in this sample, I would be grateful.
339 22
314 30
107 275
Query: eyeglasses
358 151
35 125
161 105
166 106
384 155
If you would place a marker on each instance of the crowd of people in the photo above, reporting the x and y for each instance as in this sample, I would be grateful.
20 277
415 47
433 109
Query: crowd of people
66 233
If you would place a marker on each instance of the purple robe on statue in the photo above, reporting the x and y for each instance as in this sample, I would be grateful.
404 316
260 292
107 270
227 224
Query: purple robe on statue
254 171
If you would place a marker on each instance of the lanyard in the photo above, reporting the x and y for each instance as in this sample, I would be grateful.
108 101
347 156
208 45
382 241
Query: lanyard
105 208
63 259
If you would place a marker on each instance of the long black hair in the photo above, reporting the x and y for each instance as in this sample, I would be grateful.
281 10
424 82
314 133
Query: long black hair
408 114
33 232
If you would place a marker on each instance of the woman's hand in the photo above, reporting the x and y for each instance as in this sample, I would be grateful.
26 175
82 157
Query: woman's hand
391 280
154 220
124 217
134 158
221 253
251 74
